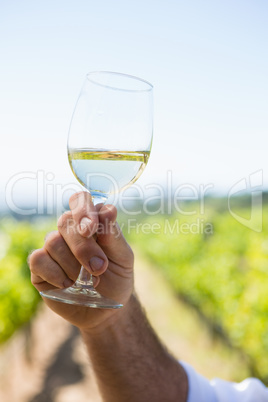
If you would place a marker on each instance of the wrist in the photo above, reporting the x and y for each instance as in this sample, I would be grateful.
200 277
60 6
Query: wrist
130 362
114 322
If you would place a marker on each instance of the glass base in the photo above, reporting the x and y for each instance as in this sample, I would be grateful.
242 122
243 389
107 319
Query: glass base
80 296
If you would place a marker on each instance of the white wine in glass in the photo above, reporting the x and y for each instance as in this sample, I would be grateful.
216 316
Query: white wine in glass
109 145
90 167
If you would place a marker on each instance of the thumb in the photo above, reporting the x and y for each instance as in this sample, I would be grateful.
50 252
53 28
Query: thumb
111 239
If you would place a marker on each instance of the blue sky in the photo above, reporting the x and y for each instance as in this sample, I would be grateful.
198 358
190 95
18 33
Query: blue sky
207 60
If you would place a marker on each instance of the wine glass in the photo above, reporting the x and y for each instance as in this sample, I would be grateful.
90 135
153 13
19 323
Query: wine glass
109 144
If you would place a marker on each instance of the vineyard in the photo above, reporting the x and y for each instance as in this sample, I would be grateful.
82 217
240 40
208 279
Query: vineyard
220 268
18 298
212 262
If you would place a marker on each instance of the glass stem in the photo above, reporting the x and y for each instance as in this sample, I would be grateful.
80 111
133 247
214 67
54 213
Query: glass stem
85 279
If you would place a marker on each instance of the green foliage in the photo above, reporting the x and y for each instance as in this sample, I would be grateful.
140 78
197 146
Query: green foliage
223 274
18 298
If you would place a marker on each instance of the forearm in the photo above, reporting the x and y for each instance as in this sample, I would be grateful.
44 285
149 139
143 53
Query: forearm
130 362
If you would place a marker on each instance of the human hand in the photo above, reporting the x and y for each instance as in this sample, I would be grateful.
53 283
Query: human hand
87 236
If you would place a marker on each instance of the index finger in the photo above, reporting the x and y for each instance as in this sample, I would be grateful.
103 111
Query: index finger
84 213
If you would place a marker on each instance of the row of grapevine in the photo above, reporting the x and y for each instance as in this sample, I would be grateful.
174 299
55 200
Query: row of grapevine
18 298
221 268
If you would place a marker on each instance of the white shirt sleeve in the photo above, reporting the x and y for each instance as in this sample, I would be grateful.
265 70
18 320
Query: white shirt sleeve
203 390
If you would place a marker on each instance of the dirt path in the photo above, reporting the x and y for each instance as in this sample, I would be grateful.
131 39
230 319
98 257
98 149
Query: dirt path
48 363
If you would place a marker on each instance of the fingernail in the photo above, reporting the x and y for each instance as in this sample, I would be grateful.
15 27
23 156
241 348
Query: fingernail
96 263
84 224
67 283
